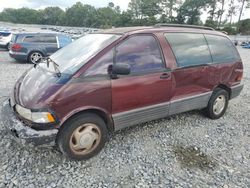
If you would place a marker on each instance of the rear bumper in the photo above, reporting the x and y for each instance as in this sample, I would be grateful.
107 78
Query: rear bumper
24 134
18 55
235 90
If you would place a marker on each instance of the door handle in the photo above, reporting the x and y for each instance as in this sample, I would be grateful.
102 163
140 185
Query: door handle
165 76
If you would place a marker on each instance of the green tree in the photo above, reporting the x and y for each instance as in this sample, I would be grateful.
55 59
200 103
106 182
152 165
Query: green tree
106 17
212 11
244 4
51 16
168 8
125 19
81 15
190 11
231 11
144 10
244 26
22 15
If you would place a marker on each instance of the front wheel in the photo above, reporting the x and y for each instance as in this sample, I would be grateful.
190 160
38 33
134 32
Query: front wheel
82 137
217 104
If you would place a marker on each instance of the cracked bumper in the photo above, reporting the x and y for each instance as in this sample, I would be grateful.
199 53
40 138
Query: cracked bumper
23 133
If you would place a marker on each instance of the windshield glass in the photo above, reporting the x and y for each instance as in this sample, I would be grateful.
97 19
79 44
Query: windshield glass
76 54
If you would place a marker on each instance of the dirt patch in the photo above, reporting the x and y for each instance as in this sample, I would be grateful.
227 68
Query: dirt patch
192 157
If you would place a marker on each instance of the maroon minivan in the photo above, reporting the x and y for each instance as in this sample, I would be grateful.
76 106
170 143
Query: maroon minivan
110 80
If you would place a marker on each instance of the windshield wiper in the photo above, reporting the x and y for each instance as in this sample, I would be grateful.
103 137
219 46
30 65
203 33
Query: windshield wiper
48 60
55 65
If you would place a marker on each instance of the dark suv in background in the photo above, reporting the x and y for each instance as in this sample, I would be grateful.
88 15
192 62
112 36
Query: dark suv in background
32 47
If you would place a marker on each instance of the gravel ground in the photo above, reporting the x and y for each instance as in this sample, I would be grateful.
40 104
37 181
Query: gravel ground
186 150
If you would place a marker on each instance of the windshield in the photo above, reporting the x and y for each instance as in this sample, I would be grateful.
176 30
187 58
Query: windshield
75 55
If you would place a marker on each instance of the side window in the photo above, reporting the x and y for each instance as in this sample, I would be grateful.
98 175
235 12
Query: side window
47 39
141 52
101 65
64 40
222 49
189 48
31 38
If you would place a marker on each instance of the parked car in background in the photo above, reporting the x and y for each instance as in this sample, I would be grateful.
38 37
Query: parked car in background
114 79
5 38
244 43
246 46
32 47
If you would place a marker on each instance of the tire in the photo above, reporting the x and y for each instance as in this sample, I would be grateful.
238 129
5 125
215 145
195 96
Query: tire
82 137
34 57
217 104
8 46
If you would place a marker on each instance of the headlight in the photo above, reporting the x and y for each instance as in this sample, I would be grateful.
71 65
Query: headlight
37 117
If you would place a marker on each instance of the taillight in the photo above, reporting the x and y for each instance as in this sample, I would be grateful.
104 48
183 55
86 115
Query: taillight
239 77
16 47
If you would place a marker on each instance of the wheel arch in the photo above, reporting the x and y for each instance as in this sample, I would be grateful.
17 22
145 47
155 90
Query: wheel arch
101 113
225 87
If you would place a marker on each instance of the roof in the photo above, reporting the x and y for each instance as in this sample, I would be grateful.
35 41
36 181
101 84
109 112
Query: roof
163 28
37 33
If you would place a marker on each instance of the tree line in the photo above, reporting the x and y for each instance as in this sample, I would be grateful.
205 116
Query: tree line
219 13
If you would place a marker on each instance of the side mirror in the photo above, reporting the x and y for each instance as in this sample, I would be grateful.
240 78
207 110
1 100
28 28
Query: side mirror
121 69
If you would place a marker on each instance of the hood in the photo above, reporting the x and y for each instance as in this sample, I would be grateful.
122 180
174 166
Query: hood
38 87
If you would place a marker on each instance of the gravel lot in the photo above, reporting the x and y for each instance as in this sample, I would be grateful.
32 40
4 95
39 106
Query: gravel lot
186 150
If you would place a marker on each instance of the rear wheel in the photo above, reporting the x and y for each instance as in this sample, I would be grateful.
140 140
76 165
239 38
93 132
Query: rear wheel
217 104
35 57
82 137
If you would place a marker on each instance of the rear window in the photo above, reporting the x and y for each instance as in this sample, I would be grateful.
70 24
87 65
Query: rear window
189 48
222 49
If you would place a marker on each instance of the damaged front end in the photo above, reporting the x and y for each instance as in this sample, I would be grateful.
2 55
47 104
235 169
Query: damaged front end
24 133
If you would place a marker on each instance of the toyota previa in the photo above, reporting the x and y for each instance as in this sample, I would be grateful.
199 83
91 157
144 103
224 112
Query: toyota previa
113 79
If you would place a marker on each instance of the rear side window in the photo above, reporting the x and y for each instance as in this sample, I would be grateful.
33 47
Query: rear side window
189 48
141 52
40 39
47 39
222 49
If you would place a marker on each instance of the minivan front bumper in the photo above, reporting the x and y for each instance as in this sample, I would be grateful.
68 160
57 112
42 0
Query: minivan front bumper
23 133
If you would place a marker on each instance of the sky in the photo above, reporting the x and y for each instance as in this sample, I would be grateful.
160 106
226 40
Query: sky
41 4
